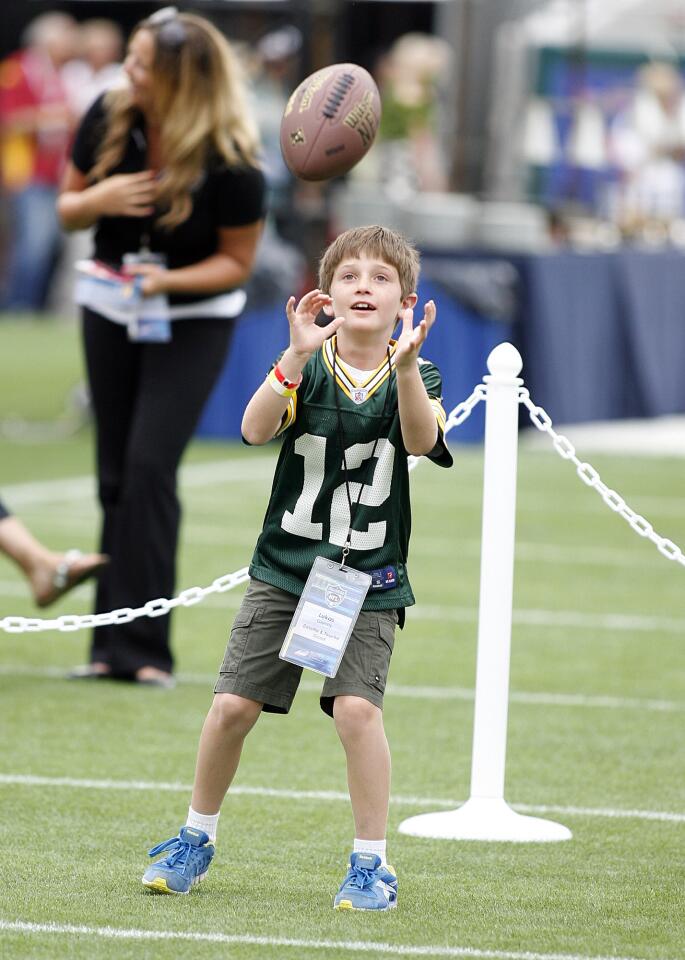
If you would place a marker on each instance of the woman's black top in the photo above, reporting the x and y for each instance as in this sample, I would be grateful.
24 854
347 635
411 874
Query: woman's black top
223 197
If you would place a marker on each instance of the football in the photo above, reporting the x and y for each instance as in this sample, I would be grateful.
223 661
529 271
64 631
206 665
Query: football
330 122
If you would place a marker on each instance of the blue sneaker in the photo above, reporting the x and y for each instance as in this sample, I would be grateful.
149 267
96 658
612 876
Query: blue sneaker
367 886
189 855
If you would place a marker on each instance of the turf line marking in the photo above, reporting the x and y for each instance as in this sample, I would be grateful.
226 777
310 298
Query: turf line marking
17 588
532 698
558 618
360 946
229 471
191 475
532 552
30 780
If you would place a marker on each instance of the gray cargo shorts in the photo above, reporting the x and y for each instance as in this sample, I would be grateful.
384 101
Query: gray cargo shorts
251 666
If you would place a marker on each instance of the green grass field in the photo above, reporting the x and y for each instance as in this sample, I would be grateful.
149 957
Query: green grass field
92 775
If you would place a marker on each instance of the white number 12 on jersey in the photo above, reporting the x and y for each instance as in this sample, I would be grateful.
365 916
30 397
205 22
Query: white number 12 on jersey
300 522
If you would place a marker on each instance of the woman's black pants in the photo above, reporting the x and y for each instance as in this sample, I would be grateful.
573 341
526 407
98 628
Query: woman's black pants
147 399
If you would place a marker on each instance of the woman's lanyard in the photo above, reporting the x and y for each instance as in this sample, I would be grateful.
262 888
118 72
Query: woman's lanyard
343 445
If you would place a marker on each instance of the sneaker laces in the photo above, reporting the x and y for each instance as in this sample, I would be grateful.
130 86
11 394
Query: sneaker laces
360 877
179 850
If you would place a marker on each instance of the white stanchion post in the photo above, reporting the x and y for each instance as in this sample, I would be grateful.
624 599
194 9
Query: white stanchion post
486 815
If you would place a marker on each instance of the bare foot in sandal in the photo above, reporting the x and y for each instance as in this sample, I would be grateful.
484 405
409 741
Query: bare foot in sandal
55 574
50 574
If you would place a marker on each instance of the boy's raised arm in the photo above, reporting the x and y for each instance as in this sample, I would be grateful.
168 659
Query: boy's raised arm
264 412
417 418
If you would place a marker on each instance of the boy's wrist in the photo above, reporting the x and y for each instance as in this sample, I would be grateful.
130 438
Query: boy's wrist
284 381
293 362
406 366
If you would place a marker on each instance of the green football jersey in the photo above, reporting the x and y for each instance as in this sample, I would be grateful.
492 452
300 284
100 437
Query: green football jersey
309 509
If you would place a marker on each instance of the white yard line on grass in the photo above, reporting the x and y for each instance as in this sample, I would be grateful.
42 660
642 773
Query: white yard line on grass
191 475
558 618
18 588
527 551
351 946
228 470
531 698
29 780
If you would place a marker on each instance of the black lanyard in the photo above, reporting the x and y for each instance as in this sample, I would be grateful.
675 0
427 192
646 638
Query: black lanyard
343 445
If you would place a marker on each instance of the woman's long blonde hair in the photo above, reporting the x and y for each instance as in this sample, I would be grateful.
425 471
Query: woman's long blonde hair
199 96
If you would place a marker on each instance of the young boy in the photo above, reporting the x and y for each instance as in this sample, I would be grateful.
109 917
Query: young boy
352 404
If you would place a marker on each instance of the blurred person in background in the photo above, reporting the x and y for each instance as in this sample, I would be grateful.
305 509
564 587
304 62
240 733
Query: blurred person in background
36 125
647 144
98 65
275 76
166 170
97 68
408 76
50 575
280 266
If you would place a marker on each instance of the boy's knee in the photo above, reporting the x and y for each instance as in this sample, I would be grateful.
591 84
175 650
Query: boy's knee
354 714
230 711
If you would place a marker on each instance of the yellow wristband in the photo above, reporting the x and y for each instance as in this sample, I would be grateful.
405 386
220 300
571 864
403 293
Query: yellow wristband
278 387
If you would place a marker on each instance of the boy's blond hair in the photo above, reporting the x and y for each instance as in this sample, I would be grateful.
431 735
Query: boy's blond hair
375 241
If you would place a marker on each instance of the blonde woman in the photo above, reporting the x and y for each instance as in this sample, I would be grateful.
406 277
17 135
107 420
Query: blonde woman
165 169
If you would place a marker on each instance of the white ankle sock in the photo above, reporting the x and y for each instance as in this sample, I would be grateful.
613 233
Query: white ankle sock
203 821
371 846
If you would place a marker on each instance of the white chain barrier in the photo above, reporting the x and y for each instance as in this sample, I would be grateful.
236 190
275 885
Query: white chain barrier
591 477
153 608
68 623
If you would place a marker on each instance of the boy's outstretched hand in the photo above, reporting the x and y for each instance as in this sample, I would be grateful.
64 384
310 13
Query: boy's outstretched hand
305 336
411 338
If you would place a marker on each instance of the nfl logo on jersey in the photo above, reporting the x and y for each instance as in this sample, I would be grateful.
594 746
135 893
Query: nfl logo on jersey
359 395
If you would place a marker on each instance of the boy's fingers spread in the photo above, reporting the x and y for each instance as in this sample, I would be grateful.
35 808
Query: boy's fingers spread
407 318
309 300
419 334
320 300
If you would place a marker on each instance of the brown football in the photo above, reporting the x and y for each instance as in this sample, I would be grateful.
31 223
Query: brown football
330 121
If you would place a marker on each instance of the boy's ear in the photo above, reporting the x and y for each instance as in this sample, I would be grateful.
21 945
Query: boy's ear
328 310
409 300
